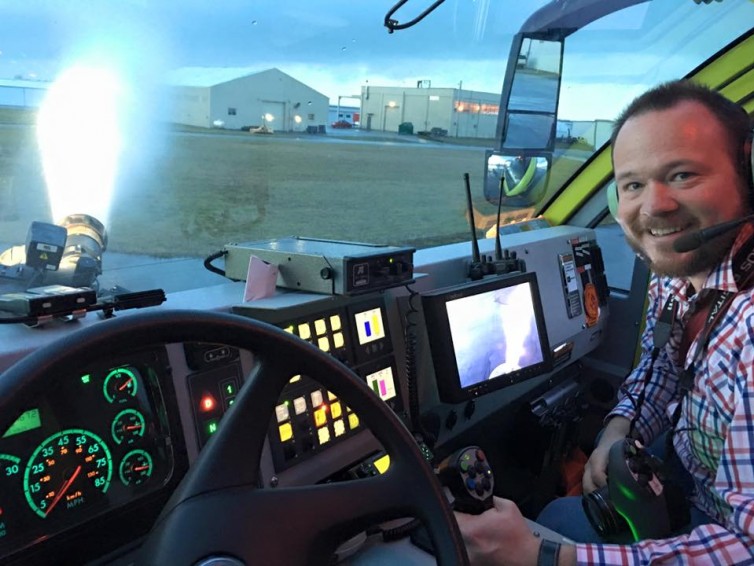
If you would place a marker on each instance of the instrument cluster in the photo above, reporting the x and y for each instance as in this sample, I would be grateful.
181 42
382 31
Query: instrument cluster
94 442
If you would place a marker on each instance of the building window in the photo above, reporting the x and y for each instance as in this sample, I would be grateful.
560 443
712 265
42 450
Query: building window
231 111
310 117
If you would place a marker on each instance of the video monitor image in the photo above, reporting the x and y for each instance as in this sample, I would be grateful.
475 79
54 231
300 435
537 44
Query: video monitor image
486 334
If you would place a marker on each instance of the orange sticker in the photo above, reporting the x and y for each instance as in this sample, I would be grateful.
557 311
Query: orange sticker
591 304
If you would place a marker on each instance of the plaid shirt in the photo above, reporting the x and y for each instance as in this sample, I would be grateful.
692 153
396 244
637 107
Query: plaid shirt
715 434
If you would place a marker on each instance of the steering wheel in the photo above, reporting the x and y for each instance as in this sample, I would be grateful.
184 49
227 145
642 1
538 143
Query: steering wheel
219 509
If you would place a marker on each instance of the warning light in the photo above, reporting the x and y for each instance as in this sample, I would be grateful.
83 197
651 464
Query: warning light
207 403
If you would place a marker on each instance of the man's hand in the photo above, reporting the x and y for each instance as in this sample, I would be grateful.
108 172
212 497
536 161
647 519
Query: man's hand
595 470
498 536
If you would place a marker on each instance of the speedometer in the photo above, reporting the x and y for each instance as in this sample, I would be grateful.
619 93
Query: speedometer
70 469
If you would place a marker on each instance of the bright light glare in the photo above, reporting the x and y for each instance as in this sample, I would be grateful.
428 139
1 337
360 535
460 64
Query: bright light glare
269 117
80 141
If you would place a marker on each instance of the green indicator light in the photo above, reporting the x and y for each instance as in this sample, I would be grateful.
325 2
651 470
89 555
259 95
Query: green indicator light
211 427
627 493
631 526
27 421
85 379
231 401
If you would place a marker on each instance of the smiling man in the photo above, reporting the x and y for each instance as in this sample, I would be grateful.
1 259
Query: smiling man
681 155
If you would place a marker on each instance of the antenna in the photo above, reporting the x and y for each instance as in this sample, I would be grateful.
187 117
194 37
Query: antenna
475 256
498 247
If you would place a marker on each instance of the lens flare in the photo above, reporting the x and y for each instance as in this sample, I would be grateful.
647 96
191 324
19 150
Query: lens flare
80 141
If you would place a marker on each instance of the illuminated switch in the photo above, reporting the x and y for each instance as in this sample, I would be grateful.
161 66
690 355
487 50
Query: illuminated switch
353 421
339 427
316 398
320 417
207 403
324 344
304 331
338 340
295 378
229 387
336 410
319 326
285 431
335 322
210 427
290 329
282 413
324 435
331 396
299 405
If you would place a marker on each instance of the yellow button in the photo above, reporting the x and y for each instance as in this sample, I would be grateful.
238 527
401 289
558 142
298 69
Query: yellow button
286 432
336 410
320 416
324 435
320 327
335 322
304 331
339 427
353 421
324 344
338 339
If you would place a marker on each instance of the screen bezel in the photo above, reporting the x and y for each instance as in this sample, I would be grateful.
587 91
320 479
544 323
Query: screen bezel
441 339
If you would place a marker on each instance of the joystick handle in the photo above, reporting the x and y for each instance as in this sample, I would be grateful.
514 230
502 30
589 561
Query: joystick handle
468 477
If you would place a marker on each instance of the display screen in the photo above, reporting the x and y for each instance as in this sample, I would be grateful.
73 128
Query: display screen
369 325
382 383
486 334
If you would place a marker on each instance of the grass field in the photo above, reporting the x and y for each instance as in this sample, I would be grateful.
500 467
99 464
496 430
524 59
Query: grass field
203 191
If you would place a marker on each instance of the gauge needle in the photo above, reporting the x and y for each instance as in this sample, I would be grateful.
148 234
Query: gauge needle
126 384
63 489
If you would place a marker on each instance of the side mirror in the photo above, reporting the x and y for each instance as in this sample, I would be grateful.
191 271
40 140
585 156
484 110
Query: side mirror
515 180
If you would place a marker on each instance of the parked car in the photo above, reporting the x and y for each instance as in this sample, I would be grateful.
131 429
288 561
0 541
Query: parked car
342 124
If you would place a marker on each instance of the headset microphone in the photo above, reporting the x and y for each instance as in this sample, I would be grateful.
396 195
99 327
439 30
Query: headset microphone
696 239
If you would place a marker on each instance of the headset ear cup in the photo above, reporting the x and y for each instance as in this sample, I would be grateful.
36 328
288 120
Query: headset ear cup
612 199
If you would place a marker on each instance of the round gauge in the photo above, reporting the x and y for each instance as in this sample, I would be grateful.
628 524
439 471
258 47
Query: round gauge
70 469
136 467
10 480
120 385
128 426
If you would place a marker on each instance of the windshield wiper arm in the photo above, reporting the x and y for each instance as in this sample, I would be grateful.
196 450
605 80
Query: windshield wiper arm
393 25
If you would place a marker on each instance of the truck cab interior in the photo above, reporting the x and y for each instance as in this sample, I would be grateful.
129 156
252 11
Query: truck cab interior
234 330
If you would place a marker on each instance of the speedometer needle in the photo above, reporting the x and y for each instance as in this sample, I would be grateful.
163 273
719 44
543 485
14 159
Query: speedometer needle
63 489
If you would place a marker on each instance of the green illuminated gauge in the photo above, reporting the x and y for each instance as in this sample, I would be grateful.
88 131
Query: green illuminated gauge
10 478
136 467
128 426
70 469
120 385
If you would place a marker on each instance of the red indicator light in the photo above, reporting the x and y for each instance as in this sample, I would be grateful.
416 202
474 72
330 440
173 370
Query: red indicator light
207 403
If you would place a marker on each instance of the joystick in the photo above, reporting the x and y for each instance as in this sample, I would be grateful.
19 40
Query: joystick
468 478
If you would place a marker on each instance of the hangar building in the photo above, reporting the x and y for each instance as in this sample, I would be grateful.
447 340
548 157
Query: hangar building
236 98
453 112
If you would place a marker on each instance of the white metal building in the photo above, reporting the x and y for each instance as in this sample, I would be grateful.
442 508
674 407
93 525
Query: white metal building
456 112
237 98
22 93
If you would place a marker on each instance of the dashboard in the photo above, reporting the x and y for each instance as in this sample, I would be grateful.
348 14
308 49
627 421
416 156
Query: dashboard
96 456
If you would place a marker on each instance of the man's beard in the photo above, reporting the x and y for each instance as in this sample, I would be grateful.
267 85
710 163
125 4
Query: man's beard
703 259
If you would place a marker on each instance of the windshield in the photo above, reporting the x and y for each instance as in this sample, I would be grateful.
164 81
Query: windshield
165 130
